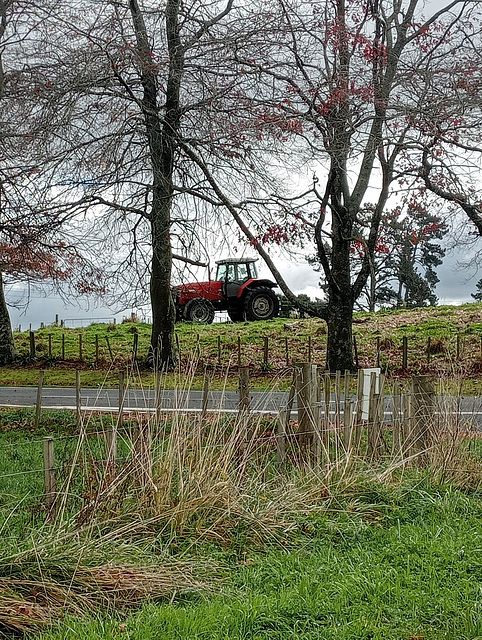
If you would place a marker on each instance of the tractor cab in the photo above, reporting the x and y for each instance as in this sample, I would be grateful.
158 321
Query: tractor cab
234 272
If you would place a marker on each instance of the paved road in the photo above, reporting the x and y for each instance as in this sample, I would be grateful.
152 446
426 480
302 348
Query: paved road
138 399
468 408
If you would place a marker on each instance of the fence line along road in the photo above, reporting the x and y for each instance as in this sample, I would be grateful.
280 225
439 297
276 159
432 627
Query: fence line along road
144 400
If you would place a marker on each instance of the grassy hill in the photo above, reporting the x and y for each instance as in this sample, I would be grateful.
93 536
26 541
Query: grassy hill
444 341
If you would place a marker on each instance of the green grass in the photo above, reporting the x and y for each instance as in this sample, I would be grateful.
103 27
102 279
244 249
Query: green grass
289 340
402 563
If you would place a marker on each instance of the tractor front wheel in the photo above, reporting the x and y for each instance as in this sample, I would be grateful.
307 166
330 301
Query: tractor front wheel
199 310
261 304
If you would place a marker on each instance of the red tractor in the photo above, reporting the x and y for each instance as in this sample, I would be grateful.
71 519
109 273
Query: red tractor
236 289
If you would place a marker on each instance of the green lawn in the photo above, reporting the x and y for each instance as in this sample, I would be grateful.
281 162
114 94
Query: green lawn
396 564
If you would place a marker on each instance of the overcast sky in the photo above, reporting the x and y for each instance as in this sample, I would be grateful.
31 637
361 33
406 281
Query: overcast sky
455 285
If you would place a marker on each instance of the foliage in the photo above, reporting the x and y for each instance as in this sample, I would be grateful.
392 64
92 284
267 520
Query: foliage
478 296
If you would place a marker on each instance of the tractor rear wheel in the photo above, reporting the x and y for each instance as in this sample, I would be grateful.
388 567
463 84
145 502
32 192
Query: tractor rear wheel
261 304
199 310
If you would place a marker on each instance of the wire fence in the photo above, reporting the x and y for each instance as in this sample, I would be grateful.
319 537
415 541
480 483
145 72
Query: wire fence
323 420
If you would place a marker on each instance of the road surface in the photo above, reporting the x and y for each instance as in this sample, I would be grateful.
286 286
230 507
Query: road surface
266 402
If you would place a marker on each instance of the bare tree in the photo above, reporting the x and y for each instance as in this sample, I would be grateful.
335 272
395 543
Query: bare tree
38 238
350 86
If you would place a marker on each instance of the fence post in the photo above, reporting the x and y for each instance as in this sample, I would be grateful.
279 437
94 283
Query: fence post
337 410
397 440
38 406
355 352
110 350
49 475
347 414
244 407
325 436
205 399
423 398
134 347
283 422
78 401
307 396
120 417
32 344
309 349
244 403
378 352
142 453
408 426
239 352
405 352
158 396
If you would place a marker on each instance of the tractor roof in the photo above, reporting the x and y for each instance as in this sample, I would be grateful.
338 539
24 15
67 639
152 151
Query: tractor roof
236 260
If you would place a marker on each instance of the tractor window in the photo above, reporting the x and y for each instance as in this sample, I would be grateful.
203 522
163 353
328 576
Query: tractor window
231 277
221 274
242 272
253 271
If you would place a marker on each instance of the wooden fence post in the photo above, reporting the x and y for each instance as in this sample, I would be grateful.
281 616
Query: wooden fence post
49 476
283 422
287 352
307 395
347 413
111 444
110 350
158 396
378 352
375 417
244 402
407 426
309 349
429 349
122 390
135 346
337 410
239 352
244 408
355 352
178 346
78 400
142 453
266 351
325 436
32 344
205 399
396 421
38 406
423 398
405 352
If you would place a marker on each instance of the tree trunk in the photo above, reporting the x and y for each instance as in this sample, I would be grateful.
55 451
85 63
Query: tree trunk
162 136
339 350
8 353
163 312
